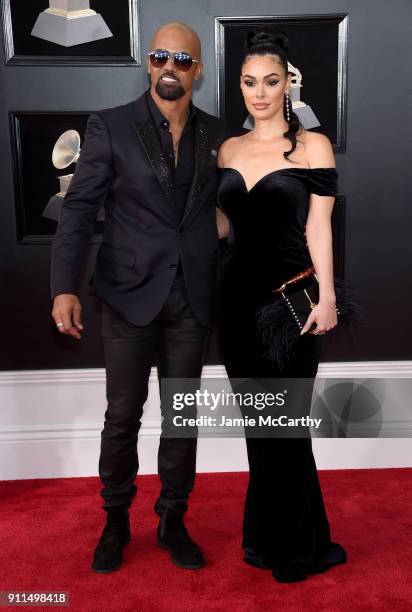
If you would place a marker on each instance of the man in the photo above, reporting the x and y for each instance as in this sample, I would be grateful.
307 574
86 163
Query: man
152 164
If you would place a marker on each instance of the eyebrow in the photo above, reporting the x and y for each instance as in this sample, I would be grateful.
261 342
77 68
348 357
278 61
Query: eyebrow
249 76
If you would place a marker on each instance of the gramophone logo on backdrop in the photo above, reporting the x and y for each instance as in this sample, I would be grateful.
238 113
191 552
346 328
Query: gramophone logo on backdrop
69 23
66 151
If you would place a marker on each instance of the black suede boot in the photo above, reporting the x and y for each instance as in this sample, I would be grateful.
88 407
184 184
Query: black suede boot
108 555
172 535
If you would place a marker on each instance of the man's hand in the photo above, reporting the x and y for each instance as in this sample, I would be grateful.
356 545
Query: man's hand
67 314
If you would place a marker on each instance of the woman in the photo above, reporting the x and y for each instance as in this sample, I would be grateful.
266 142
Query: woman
277 183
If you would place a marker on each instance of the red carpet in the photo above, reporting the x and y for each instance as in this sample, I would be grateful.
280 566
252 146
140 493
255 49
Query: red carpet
49 529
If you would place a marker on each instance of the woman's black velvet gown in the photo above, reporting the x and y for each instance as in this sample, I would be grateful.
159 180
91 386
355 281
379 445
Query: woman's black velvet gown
285 520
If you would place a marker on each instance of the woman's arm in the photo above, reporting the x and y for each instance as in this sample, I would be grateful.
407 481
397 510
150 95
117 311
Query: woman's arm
319 238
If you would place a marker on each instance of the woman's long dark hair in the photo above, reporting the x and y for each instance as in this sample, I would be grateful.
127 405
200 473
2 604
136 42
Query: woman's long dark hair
274 42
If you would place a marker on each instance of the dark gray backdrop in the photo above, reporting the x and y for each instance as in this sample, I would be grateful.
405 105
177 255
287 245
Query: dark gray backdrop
374 175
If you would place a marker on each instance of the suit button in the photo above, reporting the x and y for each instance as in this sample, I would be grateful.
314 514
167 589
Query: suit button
180 230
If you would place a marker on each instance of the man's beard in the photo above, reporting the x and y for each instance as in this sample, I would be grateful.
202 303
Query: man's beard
169 92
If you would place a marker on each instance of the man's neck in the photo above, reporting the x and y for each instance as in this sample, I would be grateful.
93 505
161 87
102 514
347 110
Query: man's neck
175 111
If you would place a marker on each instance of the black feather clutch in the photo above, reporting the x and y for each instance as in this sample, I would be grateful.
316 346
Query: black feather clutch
279 323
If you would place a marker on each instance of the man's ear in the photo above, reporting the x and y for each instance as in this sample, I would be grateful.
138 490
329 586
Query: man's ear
199 72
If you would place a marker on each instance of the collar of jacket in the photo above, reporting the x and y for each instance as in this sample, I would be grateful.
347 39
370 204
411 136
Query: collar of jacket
146 132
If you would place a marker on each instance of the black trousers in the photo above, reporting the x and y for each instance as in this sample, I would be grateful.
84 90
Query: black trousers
176 342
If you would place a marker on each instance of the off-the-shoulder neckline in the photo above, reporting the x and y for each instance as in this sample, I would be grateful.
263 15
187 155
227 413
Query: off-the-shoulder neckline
270 173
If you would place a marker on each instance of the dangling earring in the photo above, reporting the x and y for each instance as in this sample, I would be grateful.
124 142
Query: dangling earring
287 107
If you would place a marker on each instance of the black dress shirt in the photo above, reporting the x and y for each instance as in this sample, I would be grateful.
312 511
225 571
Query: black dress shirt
182 174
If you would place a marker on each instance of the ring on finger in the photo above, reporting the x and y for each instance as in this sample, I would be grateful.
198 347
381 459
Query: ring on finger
60 324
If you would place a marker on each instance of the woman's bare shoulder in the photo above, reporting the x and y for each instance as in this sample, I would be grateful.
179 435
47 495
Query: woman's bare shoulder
318 149
227 149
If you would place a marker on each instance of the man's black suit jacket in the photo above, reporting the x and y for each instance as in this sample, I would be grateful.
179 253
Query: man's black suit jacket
122 167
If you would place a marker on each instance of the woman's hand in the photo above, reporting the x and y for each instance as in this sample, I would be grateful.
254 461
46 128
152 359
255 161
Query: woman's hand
325 317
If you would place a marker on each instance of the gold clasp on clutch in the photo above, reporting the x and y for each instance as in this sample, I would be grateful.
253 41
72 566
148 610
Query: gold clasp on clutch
308 272
312 304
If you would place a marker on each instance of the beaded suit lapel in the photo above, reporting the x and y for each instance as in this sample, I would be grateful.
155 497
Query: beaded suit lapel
148 137
200 164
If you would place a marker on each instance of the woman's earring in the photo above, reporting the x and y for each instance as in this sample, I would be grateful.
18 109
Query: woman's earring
287 107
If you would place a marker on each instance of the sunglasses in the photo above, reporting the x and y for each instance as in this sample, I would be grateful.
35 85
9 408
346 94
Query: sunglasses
183 61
